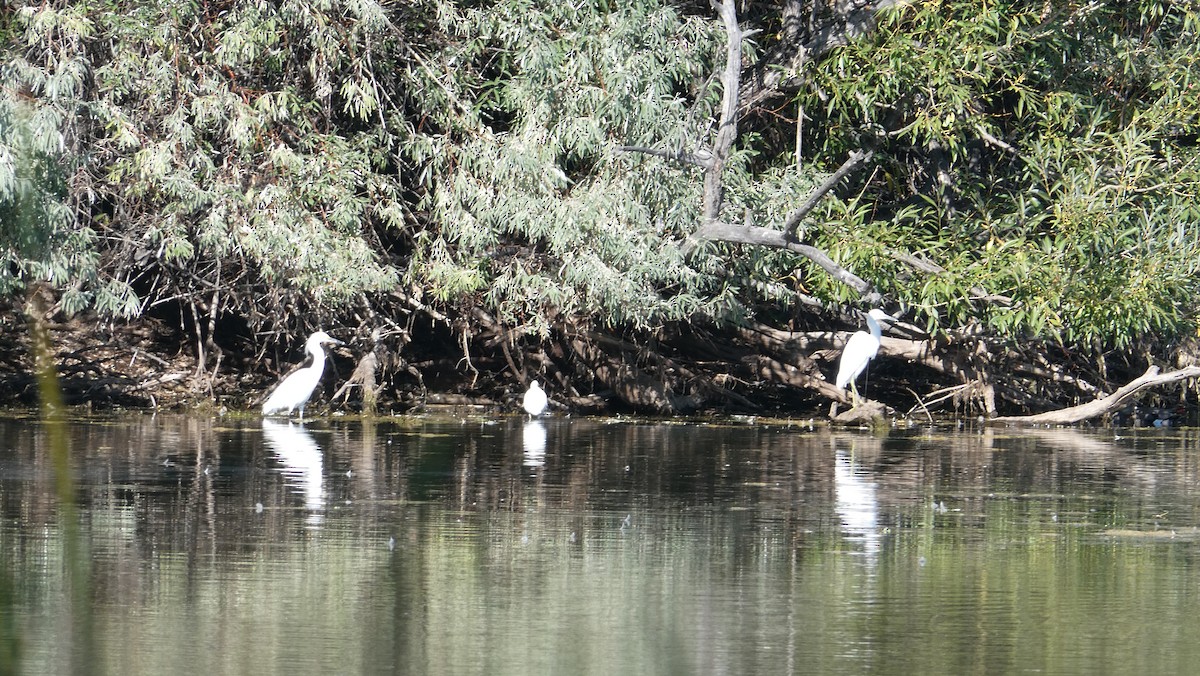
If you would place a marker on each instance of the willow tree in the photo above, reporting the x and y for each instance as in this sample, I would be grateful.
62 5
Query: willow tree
560 236
1039 177
1031 196
42 240
231 161
684 205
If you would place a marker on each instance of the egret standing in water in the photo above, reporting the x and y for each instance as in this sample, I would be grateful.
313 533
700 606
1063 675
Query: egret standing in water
859 351
293 392
535 400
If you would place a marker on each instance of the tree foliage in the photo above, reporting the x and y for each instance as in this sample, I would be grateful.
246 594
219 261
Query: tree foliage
540 214
294 163
43 239
1047 154
208 149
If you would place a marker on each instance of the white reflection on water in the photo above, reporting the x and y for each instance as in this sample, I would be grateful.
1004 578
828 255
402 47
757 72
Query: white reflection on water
857 504
303 464
533 438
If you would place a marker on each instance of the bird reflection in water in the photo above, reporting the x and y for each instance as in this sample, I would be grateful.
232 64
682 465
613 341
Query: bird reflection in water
857 505
533 438
303 464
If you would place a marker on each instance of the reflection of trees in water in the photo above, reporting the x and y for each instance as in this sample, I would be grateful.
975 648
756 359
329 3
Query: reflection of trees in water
169 508
185 484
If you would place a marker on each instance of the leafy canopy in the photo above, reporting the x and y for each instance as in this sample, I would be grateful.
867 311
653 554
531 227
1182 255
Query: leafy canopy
301 156
1047 153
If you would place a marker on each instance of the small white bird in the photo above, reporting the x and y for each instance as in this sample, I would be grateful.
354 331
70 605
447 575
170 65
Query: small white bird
293 392
859 351
535 400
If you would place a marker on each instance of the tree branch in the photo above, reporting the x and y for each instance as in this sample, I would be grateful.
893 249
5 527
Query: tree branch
1116 400
713 228
719 231
929 267
779 71
792 224
702 159
727 127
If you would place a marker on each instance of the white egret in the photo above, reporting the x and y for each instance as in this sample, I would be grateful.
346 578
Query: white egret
535 400
293 392
859 351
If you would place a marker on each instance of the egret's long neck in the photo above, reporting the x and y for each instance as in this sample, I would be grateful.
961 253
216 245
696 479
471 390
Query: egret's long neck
318 355
873 326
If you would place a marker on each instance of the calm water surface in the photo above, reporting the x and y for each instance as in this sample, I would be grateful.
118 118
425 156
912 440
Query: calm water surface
572 546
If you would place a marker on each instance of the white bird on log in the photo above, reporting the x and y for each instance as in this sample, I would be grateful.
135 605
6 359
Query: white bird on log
535 401
293 392
859 351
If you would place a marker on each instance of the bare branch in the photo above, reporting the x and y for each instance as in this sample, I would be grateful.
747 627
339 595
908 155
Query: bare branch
716 230
1098 407
702 159
983 134
727 127
750 234
792 224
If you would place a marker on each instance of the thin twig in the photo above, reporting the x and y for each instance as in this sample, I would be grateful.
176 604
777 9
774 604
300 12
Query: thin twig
919 403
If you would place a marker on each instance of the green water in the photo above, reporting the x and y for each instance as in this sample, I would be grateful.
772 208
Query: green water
573 546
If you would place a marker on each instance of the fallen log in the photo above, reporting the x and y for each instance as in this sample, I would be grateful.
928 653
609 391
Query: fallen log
1099 407
631 385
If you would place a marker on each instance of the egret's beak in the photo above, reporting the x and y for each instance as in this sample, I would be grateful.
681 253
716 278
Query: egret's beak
337 347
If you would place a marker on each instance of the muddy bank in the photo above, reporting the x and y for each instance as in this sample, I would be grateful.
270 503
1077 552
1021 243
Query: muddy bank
149 364
153 363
